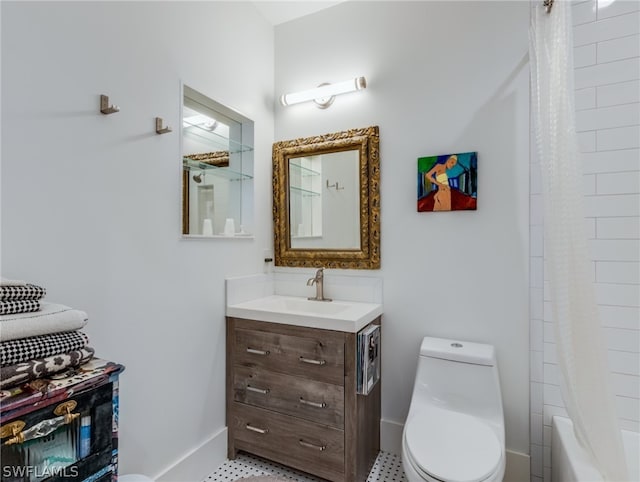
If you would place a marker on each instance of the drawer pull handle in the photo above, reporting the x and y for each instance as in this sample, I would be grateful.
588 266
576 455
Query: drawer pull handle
257 430
263 391
313 404
42 429
311 361
312 446
258 352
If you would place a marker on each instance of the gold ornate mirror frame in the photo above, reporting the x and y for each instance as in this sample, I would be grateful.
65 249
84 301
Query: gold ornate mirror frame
367 142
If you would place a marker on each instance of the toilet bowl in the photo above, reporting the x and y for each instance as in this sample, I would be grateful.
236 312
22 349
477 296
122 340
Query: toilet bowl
455 428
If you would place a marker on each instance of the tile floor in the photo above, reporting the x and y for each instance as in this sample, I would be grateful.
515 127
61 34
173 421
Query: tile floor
387 468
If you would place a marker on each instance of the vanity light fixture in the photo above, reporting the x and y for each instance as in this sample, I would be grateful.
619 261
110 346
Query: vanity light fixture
324 94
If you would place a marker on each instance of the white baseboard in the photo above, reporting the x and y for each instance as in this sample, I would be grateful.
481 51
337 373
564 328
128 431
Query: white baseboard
391 436
197 464
391 441
518 467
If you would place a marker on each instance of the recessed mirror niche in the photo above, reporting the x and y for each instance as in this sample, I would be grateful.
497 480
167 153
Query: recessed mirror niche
217 168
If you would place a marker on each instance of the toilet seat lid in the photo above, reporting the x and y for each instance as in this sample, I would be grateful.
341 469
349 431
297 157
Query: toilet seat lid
453 446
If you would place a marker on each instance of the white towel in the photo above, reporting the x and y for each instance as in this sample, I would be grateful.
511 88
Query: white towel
12 282
52 318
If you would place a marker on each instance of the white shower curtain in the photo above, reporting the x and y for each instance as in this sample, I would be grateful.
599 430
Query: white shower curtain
582 360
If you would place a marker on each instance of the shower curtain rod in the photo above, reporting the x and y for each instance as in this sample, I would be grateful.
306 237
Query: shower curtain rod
548 4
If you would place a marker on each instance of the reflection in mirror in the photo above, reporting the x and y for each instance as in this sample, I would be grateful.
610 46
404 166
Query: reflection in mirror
324 192
327 200
217 160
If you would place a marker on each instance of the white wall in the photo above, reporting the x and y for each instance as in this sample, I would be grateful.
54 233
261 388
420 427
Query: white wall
76 183
443 77
607 73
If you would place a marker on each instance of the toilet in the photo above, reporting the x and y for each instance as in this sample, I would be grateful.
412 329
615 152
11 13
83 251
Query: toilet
455 428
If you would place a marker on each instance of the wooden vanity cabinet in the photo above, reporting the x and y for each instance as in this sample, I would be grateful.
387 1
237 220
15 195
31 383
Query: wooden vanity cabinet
291 398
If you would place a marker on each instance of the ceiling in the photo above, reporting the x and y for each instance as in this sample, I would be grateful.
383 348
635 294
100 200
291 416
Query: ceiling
280 12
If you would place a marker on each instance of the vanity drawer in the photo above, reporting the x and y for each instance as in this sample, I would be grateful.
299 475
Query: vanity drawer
298 443
315 358
309 399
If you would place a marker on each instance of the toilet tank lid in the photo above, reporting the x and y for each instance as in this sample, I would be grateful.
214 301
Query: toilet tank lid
455 350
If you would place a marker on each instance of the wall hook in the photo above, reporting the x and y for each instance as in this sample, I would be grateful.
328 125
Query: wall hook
336 185
159 128
105 108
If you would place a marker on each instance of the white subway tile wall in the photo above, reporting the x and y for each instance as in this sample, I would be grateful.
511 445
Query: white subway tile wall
607 96
618 49
586 98
619 228
609 73
620 138
616 94
618 272
624 160
584 56
590 228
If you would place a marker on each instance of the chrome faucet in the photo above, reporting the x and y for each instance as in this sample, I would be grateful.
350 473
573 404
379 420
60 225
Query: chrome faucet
318 279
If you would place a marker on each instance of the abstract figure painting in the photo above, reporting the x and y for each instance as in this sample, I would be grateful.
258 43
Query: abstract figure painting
448 183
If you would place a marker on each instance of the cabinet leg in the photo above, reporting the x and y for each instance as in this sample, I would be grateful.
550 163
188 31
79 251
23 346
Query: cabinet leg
232 453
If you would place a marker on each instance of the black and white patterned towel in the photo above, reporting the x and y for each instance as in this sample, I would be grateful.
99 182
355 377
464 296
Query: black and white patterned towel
19 306
24 349
42 367
27 292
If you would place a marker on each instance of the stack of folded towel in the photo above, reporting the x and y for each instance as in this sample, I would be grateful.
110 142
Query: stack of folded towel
37 339
19 297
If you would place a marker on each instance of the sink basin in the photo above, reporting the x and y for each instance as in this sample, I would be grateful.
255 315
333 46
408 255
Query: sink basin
300 305
349 316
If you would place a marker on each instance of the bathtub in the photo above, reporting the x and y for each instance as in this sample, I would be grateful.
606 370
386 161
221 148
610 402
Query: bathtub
569 462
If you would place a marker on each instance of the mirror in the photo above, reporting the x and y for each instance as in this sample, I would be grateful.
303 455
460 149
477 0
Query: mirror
217 168
326 204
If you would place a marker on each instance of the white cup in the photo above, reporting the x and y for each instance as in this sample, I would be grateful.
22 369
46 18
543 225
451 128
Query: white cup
229 227
207 228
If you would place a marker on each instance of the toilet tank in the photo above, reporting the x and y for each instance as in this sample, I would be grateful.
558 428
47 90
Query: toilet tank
461 351
459 375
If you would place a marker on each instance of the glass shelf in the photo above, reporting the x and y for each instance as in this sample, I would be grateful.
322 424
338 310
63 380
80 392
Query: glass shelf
303 192
304 171
223 172
218 142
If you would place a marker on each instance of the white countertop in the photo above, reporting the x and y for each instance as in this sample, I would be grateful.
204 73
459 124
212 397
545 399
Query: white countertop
338 315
